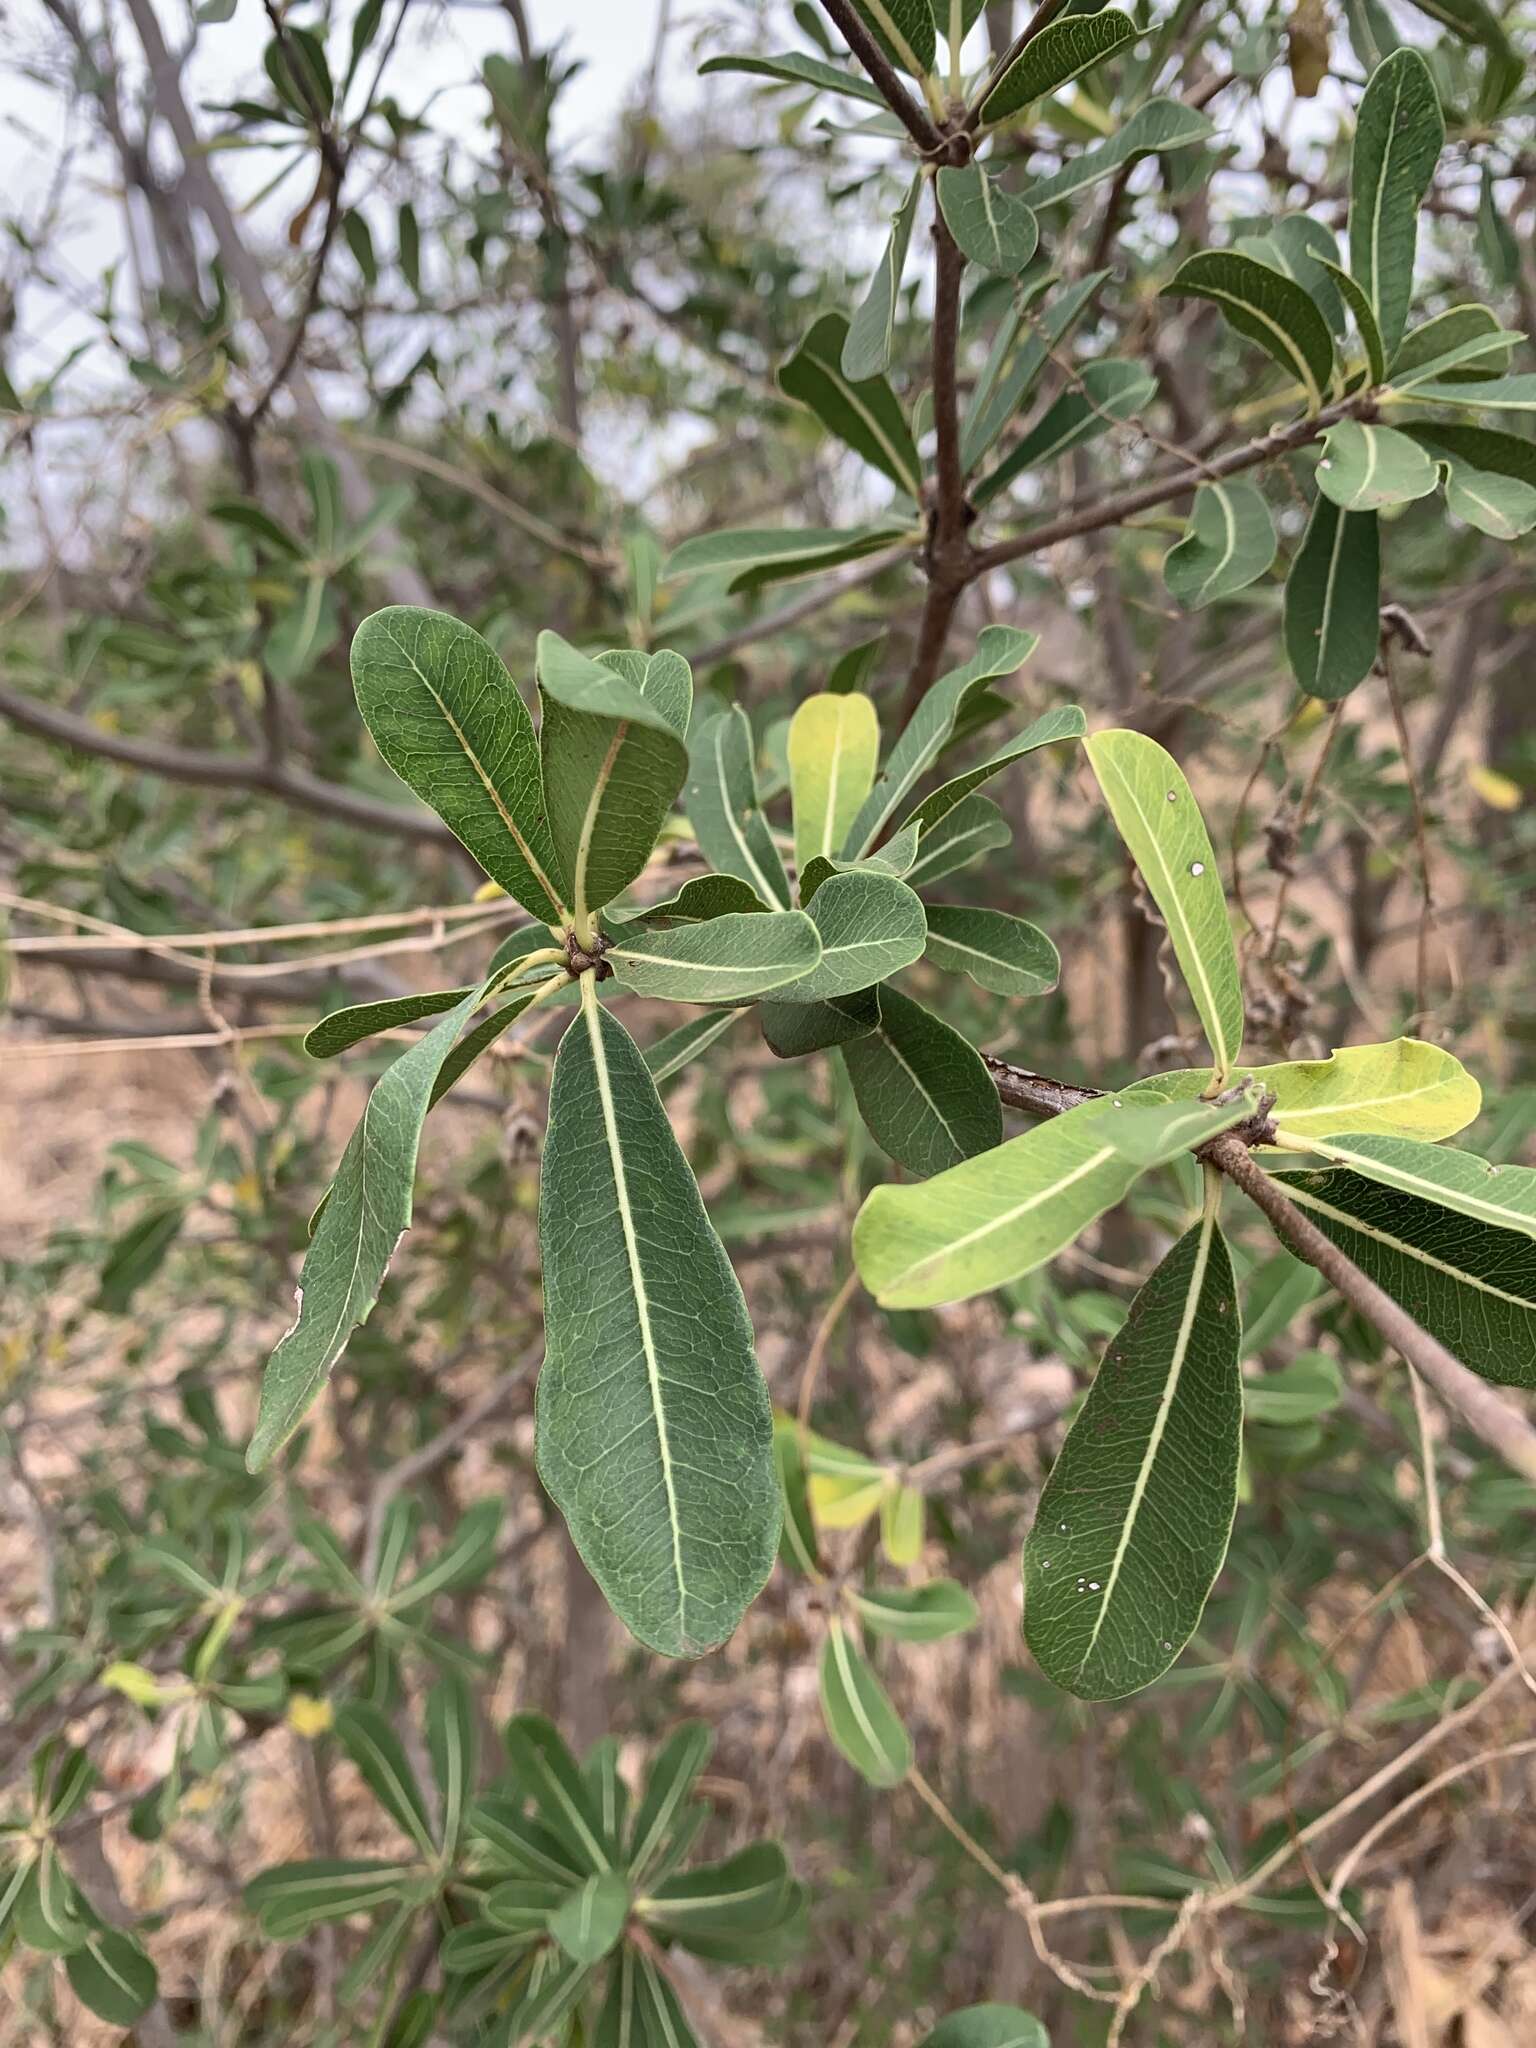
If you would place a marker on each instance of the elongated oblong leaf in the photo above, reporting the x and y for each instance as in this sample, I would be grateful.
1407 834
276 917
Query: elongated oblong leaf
728 960
1014 366
865 413
111 1975
834 746
723 808
922 1089
794 68
990 226
1367 467
447 718
1469 1284
1490 478
955 839
1061 52
917 1614
870 925
1066 722
1135 1517
654 1432
293 1897
1160 822
778 554
1404 1088
1503 1196
363 1219
999 1215
1160 124
904 29
858 1712
1268 307
1333 601
612 764
988 2026
1398 138
345 1028
1228 544
867 345
1501 394
998 952
999 651
1101 394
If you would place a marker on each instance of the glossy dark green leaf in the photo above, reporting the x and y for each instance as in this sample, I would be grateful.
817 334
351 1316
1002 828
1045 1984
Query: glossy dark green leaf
1353 294
865 415
447 718
990 226
723 808
363 1219
999 952
1061 52
1134 1521
1399 134
1469 1283
612 763
922 1089
1333 601
743 1894
1490 479
653 1424
858 1712
1268 307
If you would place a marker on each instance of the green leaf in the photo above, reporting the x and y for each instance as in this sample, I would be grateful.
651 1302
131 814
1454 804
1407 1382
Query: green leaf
555 1986
990 226
834 745
993 1218
1304 249
1135 1517
867 345
728 960
792 1030
922 1089
1501 1196
870 925
1471 22
723 808
1447 334
1228 544
592 1919
903 29
777 554
113 1977
893 858
447 718
1365 468
903 1525
1061 52
544 1768
1066 722
678 1763
663 678
943 17
1010 378
746 1893
1160 822
1000 650
612 766
698 901
1102 394
1502 394
865 414
1403 1088
669 1055
953 841
1160 124
858 1712
1399 134
999 952
1145 1132
451 1740
1364 314
1269 308
526 1846
799 1549
917 1614
1470 1285
1333 601
988 2026
293 1897
794 69
377 1751
1473 362
343 1029
654 1434
1490 478
366 1214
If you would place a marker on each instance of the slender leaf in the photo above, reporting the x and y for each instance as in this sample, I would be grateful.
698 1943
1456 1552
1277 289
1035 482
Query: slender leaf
777 554
990 226
922 1089
343 1029
672 1776
447 718
999 397
1160 822
795 69
743 1894
293 1897
999 952
1501 1196
1102 394
903 29
858 1712
951 842
1398 138
669 1055
723 808
1501 394
544 1768
728 960
867 345
834 746
864 414
377 1751
917 1614
1268 307
1447 334
1061 52
1158 125
1066 722
653 1424
1228 544
1333 600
